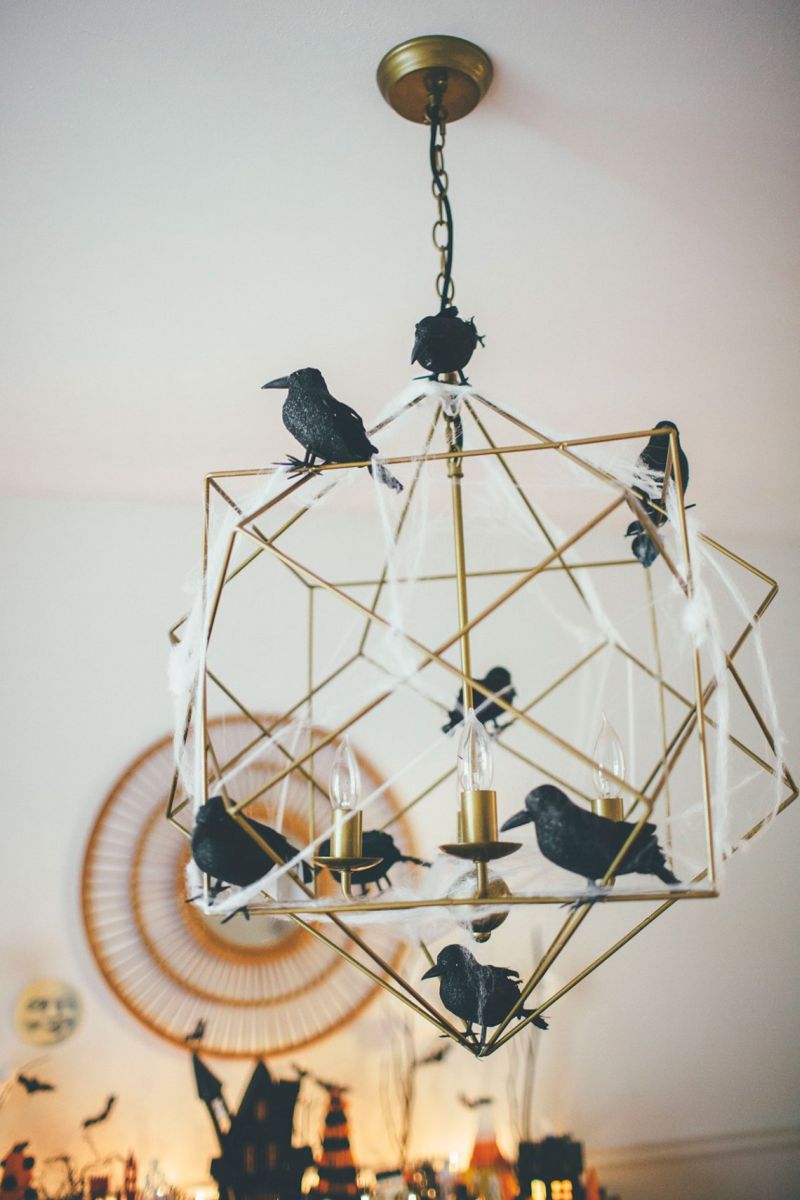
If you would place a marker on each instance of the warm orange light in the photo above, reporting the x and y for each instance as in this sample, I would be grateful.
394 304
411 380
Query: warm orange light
561 1189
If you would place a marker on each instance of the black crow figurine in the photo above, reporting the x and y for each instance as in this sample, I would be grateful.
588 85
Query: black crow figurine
480 995
498 682
444 343
581 841
654 459
376 844
223 850
326 429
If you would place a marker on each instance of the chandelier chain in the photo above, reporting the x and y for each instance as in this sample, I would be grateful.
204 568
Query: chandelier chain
442 232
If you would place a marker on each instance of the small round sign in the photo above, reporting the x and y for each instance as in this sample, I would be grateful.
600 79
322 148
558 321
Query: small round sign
47 1011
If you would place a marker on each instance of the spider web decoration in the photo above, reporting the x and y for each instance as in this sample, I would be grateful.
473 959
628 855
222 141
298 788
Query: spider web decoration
371 648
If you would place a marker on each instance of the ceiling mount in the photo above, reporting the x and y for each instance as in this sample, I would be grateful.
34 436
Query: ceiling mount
404 72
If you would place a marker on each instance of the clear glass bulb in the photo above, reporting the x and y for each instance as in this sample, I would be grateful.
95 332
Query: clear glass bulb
609 756
475 764
345 779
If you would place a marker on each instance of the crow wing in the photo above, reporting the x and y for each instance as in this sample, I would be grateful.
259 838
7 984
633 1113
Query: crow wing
350 424
595 841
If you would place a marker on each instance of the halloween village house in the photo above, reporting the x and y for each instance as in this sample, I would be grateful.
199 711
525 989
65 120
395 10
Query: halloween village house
257 1160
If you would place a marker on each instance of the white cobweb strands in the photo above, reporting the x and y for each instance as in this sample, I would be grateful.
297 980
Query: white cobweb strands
555 596
187 662
701 625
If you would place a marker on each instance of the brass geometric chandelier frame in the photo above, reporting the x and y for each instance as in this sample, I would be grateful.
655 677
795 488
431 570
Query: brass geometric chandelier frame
312 913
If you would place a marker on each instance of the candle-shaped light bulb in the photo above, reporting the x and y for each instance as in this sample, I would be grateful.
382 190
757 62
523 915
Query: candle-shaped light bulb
345 778
610 760
475 765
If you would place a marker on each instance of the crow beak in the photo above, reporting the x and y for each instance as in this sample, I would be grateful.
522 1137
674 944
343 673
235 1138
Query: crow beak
520 818
283 382
415 351
432 972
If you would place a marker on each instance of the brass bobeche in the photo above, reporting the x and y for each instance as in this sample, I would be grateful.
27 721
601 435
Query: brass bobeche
477 830
612 807
346 846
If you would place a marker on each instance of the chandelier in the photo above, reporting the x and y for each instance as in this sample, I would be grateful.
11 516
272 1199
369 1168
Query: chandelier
378 614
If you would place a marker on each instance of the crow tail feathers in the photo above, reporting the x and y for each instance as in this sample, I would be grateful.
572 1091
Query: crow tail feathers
539 1022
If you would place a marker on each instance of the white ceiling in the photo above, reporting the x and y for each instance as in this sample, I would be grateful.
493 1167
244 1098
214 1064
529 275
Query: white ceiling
200 196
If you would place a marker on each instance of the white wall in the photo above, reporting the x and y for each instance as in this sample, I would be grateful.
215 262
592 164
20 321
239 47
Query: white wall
689 1032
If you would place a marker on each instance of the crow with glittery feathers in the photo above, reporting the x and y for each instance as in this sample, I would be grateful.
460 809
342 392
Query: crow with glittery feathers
444 343
376 844
653 459
478 994
198 1033
326 429
498 683
227 853
584 842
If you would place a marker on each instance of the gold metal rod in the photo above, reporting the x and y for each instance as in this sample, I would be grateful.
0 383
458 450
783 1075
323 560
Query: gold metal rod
565 676
267 731
381 583
449 576
218 589
563 447
565 934
621 942
479 452
448 1031
186 832
710 722
598 962
706 786
307 774
423 947
270 909
203 690
569 932
311 791
342 926
435 656
652 531
686 728
742 562
455 472
307 478
751 704
224 495
571 787
673 448
651 600
525 500
420 796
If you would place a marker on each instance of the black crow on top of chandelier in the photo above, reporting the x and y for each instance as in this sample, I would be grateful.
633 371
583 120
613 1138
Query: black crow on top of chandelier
326 429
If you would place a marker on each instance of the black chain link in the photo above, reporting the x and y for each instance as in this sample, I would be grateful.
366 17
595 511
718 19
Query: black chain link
442 232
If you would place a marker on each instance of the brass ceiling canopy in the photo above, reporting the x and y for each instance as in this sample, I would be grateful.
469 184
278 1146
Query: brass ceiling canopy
405 71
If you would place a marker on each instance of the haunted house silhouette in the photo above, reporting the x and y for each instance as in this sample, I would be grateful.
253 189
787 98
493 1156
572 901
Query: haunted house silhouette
257 1160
